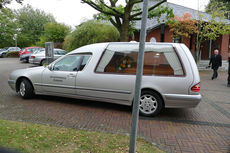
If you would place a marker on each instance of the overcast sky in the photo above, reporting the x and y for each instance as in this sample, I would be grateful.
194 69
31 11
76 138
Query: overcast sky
73 12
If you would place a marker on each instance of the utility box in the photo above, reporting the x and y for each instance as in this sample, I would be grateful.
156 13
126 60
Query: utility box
49 52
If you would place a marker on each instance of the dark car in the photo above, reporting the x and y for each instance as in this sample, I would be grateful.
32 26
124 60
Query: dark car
5 50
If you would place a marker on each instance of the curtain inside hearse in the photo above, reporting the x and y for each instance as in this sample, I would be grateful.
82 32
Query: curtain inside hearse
167 50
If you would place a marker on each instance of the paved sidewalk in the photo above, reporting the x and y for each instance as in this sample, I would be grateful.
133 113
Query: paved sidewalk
205 128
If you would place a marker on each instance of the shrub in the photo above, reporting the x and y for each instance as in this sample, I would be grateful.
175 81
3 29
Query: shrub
90 32
12 54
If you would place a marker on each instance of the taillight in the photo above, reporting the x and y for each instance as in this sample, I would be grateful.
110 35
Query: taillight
196 87
32 56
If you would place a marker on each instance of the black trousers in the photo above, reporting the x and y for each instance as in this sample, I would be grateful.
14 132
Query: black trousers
215 73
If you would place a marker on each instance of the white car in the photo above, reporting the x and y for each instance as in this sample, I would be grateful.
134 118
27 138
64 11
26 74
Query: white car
107 72
40 59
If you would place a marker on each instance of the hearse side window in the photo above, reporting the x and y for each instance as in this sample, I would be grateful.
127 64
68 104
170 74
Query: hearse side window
159 60
71 63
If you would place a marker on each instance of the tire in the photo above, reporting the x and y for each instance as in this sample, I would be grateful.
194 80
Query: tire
150 103
26 89
42 62
27 60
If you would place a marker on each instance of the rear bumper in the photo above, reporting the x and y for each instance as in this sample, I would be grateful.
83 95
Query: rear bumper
31 61
24 58
12 84
181 101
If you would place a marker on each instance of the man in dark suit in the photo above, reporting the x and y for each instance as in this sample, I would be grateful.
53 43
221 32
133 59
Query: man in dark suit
216 61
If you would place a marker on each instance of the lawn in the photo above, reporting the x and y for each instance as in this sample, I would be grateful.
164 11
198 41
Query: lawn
25 137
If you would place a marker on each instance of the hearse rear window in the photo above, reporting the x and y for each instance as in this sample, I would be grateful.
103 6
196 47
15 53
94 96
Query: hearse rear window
122 59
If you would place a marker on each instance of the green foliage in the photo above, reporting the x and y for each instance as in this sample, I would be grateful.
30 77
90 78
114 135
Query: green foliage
215 27
124 16
159 11
54 32
31 138
223 4
31 23
12 54
8 27
212 29
90 32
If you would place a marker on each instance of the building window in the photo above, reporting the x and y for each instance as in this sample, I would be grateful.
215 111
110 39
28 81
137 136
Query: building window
159 60
153 39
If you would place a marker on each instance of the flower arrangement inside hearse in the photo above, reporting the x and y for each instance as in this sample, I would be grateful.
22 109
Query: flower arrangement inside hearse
124 63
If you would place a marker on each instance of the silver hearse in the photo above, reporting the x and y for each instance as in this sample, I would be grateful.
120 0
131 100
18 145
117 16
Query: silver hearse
106 72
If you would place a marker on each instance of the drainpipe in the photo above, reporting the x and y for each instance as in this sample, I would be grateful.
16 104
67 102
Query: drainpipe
210 48
162 33
228 72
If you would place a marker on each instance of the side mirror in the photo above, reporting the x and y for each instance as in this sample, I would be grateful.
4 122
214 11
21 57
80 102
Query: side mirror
50 67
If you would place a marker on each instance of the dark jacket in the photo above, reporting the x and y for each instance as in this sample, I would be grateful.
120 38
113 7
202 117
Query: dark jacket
216 61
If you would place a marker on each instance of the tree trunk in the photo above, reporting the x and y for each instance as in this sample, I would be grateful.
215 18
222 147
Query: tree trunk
124 33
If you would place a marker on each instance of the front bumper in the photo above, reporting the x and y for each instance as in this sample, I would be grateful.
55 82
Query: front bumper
181 101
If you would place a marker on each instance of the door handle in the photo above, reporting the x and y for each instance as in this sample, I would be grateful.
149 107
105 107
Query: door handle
71 75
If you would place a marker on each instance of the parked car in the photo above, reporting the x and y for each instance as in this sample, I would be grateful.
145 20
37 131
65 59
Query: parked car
27 52
5 50
106 72
40 58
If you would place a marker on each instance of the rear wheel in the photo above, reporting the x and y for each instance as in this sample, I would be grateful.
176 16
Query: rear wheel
42 62
26 89
150 103
27 60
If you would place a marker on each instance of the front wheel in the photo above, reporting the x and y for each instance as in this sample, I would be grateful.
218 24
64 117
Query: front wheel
26 90
150 103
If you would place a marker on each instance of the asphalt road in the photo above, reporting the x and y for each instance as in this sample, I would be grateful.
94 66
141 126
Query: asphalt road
205 128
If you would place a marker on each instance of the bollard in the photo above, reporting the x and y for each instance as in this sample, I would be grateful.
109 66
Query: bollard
228 72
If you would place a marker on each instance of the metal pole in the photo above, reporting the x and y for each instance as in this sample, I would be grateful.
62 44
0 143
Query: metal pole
49 47
140 63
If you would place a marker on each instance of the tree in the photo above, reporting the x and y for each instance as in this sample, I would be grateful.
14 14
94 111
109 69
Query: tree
90 32
210 30
183 26
31 23
123 17
8 27
224 4
54 32
5 2
215 27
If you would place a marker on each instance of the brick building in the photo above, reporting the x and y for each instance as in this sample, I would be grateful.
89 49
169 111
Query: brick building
160 32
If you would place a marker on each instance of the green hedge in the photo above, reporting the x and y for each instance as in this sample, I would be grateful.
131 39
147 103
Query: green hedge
12 54
90 32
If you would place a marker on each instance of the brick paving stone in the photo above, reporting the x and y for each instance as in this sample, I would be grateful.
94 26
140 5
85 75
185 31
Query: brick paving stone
205 128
